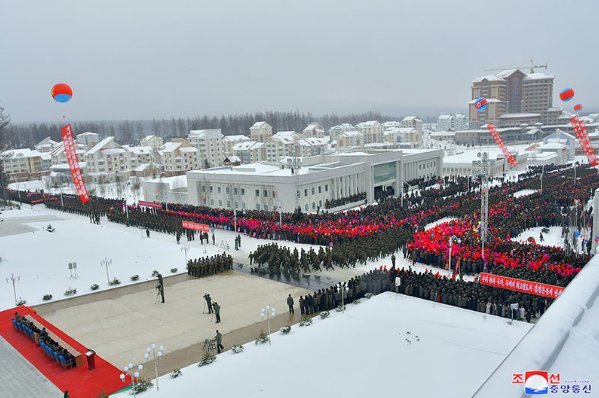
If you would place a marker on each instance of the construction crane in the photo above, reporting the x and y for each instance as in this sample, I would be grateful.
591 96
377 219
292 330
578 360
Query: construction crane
532 67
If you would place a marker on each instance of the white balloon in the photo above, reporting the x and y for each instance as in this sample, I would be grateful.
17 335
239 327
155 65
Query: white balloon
122 376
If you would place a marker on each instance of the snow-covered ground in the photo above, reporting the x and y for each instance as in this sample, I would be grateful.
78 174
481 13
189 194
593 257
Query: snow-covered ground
390 345
439 221
553 238
524 192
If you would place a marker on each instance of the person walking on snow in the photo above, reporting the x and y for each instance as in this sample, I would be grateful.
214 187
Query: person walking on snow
290 304
219 341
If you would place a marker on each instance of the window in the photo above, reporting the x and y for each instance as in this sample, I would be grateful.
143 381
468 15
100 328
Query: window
220 203
257 193
320 203
265 193
211 189
319 189
306 192
228 204
313 205
227 190
313 191
243 191
306 207
326 187
211 202
235 191
218 189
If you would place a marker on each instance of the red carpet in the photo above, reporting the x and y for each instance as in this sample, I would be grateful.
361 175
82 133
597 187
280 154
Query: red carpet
81 382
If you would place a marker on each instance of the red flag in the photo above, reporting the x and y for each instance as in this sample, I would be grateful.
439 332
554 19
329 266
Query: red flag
71 155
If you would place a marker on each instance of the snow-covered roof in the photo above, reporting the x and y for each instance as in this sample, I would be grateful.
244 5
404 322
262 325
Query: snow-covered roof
236 138
45 156
444 117
410 118
519 115
234 159
491 78
313 127
88 134
188 149
170 147
399 130
285 134
443 134
342 127
206 133
20 153
369 123
258 125
351 133
245 145
113 151
47 141
538 75
139 150
552 145
100 145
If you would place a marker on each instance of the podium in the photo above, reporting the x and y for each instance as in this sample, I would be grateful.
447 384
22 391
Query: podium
91 359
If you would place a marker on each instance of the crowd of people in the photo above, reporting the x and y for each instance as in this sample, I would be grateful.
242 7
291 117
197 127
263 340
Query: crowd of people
210 265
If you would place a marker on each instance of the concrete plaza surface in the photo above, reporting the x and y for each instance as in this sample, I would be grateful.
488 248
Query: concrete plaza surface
119 326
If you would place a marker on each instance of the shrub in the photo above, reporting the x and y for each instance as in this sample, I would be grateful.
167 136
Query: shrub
262 338
47 297
207 359
340 308
70 291
324 314
285 329
155 273
173 270
306 321
114 282
237 348
176 373
369 295
142 385
135 277
21 302
94 286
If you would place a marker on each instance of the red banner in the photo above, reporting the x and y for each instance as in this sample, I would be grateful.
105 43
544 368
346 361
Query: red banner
508 155
150 204
583 137
196 226
71 154
520 285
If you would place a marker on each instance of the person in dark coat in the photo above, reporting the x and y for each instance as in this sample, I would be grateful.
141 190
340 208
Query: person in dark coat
208 302
393 258
216 308
290 304
219 341
161 286
147 232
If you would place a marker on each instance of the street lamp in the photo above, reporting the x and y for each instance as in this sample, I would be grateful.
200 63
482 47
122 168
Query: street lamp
343 288
133 374
451 239
185 248
14 278
268 313
106 263
154 354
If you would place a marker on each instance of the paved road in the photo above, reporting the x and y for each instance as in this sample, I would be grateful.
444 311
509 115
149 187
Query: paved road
19 379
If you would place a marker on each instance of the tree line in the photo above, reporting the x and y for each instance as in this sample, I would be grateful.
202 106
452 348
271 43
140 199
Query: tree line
26 135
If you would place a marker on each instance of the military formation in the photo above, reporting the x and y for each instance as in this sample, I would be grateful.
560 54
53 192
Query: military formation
210 265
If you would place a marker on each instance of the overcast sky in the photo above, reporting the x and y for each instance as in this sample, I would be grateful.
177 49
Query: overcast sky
143 59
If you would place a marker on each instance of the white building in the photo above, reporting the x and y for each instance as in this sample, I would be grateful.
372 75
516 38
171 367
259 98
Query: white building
260 132
462 164
248 151
313 130
230 140
179 156
210 145
459 122
413 122
372 131
46 145
153 141
107 161
88 140
21 164
404 135
139 155
321 180
444 122
351 139
564 138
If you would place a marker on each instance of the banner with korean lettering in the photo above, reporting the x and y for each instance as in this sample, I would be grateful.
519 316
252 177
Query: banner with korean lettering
71 154
583 137
196 226
520 285
150 204
508 155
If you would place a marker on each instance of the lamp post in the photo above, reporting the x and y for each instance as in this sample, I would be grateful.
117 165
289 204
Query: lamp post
154 354
132 373
542 173
267 313
342 289
451 239
235 220
106 263
185 248
13 278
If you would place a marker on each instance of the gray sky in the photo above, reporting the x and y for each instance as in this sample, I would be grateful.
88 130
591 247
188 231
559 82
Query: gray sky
143 59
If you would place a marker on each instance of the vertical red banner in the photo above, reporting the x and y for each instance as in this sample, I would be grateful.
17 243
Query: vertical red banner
508 155
71 154
583 137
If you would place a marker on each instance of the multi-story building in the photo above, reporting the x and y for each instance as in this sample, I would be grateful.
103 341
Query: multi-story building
335 130
152 141
403 135
313 130
139 155
46 145
350 139
322 182
21 164
444 122
210 145
372 131
88 140
248 151
512 92
260 132
412 122
107 161
230 140
179 156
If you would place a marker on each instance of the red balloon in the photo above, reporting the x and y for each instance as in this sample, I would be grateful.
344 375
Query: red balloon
577 107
